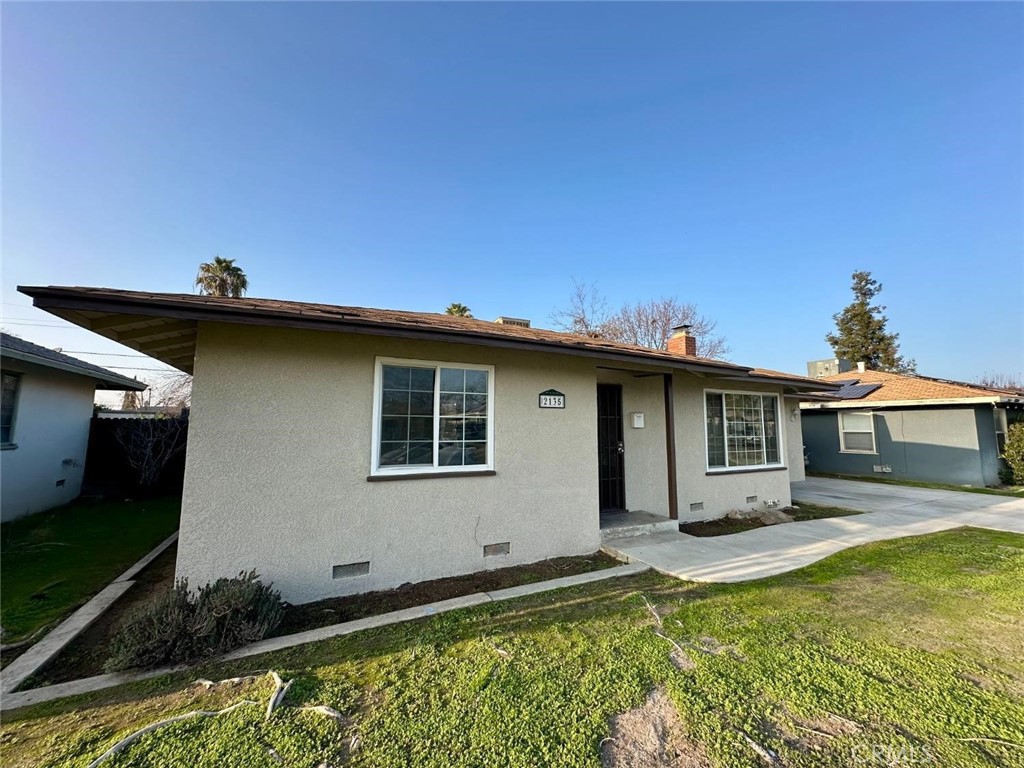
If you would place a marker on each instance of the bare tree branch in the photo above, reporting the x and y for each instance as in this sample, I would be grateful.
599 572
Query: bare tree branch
587 313
646 323
149 444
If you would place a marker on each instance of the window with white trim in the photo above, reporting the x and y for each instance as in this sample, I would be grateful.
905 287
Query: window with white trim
432 417
742 430
856 432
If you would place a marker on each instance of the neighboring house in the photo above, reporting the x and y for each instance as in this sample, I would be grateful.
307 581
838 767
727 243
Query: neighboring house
911 427
44 424
339 449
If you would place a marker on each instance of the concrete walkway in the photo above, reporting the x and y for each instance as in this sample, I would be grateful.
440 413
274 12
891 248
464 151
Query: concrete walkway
19 699
40 654
892 512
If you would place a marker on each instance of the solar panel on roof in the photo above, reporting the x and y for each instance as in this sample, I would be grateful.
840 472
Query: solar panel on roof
855 391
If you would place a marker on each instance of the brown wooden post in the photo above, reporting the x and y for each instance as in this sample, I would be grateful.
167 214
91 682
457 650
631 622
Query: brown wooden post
670 447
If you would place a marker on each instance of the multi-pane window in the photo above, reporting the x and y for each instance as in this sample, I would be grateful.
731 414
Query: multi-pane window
742 430
432 417
10 400
856 432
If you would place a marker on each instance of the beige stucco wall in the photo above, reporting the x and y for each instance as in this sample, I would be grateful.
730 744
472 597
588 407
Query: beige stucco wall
794 440
646 467
719 493
51 431
279 453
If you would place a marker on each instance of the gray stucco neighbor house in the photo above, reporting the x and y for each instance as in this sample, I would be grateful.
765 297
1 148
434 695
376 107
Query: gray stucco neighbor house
338 450
912 427
44 424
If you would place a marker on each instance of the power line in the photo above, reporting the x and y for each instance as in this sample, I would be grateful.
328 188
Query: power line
5 321
104 354
130 368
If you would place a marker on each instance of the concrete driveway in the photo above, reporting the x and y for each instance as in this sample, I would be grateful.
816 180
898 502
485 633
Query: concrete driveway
892 512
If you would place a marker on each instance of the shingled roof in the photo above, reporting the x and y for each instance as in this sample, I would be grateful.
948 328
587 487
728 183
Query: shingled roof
895 388
164 325
18 349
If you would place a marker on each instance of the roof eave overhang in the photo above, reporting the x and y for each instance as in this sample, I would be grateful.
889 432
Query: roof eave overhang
57 300
863 404
793 387
106 382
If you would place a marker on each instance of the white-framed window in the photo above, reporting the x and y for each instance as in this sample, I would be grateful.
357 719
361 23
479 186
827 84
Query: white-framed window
742 430
9 407
856 432
432 417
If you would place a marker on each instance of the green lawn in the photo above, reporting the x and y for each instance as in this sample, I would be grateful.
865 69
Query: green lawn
910 647
52 562
1015 492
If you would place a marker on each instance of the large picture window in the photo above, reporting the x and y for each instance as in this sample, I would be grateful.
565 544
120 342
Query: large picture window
742 430
432 417
856 432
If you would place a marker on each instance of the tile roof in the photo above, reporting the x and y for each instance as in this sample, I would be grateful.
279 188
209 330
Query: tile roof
44 356
895 387
280 312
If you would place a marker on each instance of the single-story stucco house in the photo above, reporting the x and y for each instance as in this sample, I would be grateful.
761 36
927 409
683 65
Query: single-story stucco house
912 427
44 424
338 450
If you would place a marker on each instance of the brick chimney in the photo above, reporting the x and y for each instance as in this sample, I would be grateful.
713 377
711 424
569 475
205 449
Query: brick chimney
682 342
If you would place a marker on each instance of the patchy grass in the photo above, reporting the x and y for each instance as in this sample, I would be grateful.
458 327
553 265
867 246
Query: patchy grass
85 655
723 526
1014 491
908 647
53 562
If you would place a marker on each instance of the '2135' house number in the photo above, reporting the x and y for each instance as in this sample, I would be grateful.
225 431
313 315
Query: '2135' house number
552 398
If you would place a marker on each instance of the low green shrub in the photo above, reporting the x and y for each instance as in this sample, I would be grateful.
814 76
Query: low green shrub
1014 451
181 626
156 634
233 612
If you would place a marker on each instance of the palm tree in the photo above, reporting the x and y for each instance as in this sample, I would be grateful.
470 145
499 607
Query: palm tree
222 278
459 310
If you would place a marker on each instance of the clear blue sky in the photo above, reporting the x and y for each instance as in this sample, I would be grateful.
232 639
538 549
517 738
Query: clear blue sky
745 157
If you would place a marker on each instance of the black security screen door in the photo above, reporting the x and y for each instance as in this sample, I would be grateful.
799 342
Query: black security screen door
611 466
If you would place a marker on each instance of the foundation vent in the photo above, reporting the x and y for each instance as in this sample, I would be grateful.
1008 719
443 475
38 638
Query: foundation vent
501 548
351 570
751 499
697 506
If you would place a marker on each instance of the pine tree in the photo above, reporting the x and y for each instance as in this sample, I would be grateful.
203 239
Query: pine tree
862 335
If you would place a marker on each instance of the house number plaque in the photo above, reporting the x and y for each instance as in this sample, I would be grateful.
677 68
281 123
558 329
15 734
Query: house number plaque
552 398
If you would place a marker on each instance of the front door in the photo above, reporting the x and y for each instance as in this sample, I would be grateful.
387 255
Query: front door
611 465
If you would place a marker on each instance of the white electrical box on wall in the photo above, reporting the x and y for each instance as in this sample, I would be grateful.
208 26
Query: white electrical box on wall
638 420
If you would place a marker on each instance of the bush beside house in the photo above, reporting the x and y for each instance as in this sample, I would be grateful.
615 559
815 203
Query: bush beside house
182 626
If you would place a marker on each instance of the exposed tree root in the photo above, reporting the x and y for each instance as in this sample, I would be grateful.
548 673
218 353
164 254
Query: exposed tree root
323 709
280 689
763 752
995 741
232 681
132 738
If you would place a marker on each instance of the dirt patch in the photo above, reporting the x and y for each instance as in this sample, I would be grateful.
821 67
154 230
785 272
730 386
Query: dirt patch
335 610
740 521
85 655
721 527
652 736
813 734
